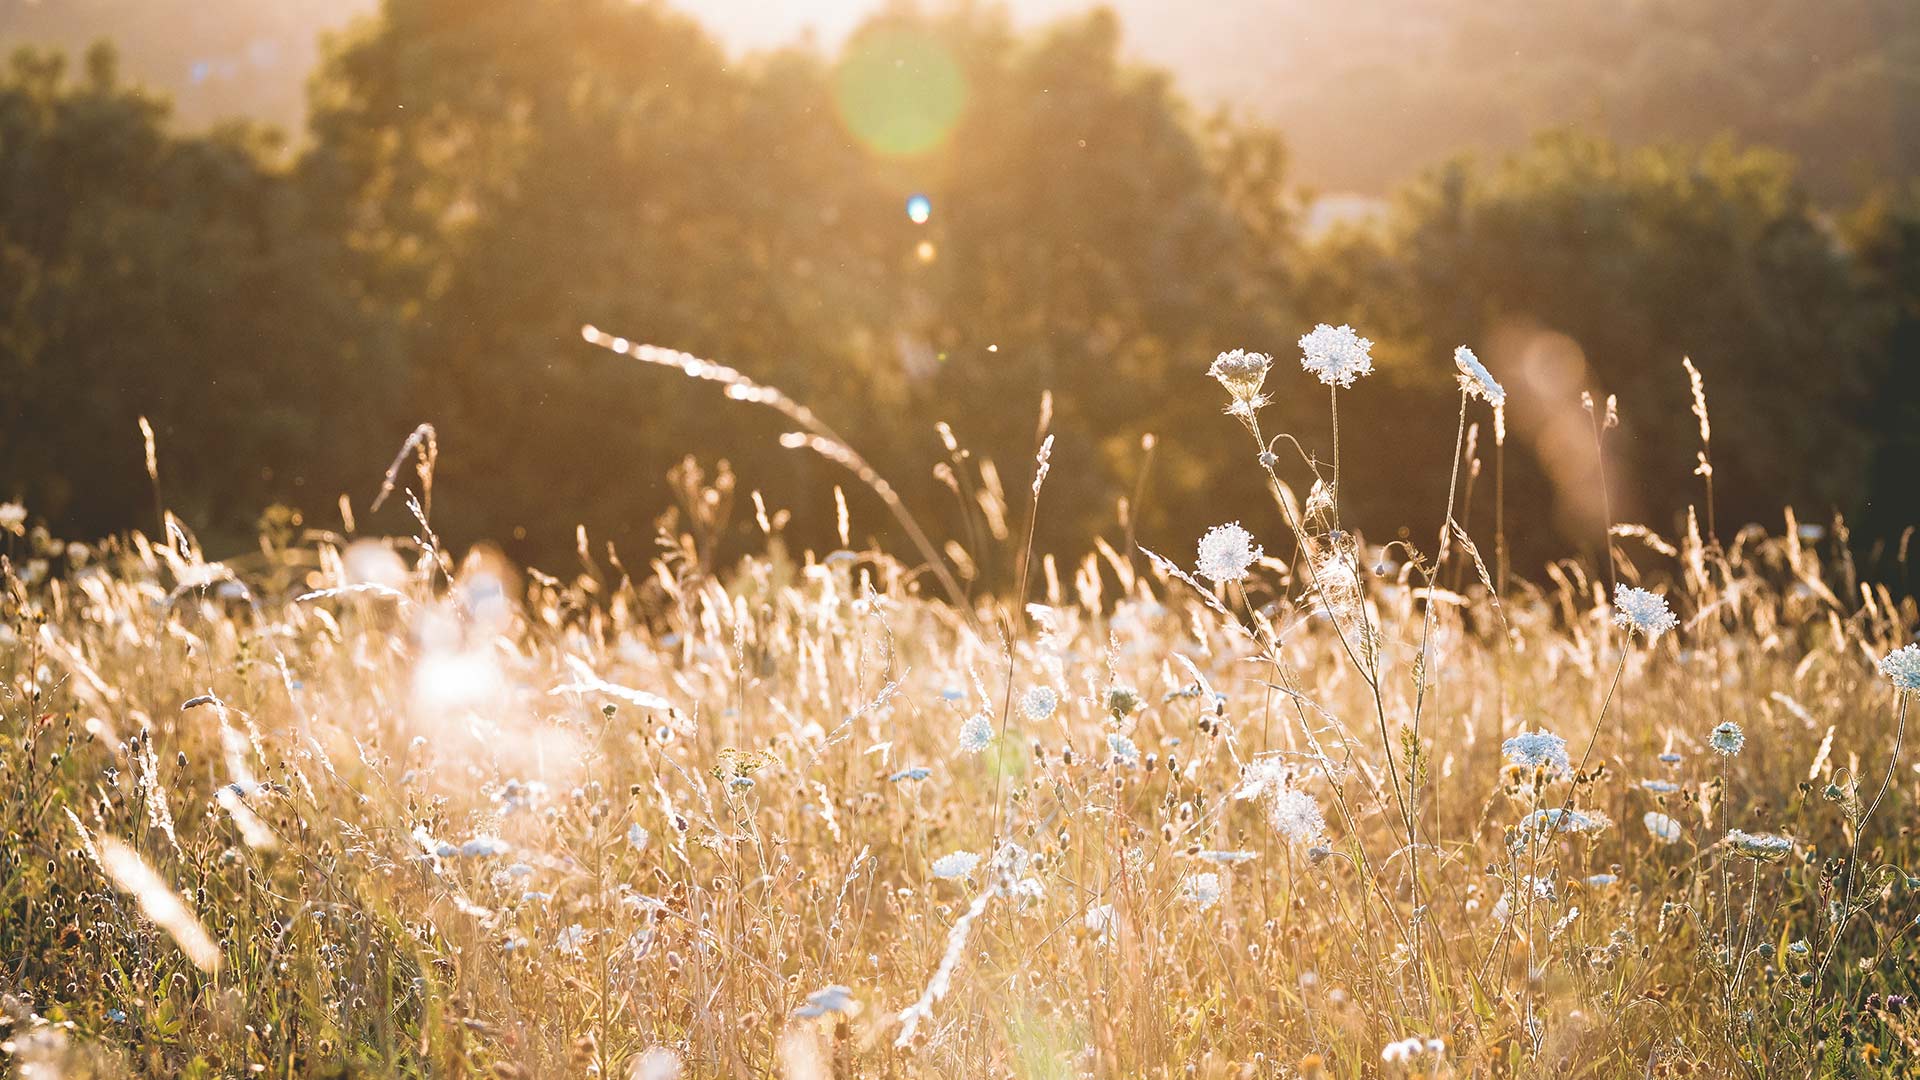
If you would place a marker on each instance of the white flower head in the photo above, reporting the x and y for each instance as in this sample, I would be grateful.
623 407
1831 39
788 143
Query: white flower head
1637 610
1664 829
1726 739
1762 847
1123 749
1295 815
1242 373
955 865
831 999
1902 668
1201 890
1227 552
1476 380
482 846
1039 702
1538 750
637 837
976 734
1336 354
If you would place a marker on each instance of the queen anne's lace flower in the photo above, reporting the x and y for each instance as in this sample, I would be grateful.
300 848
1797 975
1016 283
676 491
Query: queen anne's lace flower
1124 750
1227 552
1764 847
1201 890
1039 702
955 865
976 734
1902 668
1637 610
1336 355
1476 380
1538 750
1242 373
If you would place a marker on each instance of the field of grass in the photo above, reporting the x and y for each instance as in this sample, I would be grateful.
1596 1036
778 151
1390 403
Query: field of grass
346 805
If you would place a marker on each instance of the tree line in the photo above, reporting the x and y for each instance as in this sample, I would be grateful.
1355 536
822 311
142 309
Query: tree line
479 182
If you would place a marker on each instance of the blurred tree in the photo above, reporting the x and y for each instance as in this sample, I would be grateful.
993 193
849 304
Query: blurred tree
1576 265
177 277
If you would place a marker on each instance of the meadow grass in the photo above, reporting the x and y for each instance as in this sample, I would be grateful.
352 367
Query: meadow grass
350 805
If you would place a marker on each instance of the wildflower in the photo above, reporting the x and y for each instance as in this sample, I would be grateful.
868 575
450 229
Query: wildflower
1295 815
1642 611
1201 890
1099 919
1762 847
1600 881
831 999
658 1063
481 846
1475 380
1408 1049
1538 750
573 940
1122 701
1228 858
1544 823
637 837
1123 748
956 865
1227 552
1660 787
1039 702
1670 758
1336 354
976 734
1664 829
1902 668
1242 373
911 772
1727 739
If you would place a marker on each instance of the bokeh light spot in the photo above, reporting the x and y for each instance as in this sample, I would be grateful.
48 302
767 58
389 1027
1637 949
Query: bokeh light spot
899 91
919 209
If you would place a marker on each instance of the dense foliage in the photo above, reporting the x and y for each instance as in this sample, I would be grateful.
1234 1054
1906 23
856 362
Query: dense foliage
476 186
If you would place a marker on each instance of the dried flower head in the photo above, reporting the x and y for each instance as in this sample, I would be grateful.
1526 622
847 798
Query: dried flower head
1242 373
1476 380
1201 890
1335 354
976 734
957 864
1227 552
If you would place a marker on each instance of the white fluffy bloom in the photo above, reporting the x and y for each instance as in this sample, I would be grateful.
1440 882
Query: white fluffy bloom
1336 354
1123 749
1642 611
637 837
1402 1051
1295 815
1538 750
1902 668
481 846
1228 858
1227 552
1545 823
956 865
1765 847
1664 829
13 518
831 999
1039 702
1201 890
976 734
1476 380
